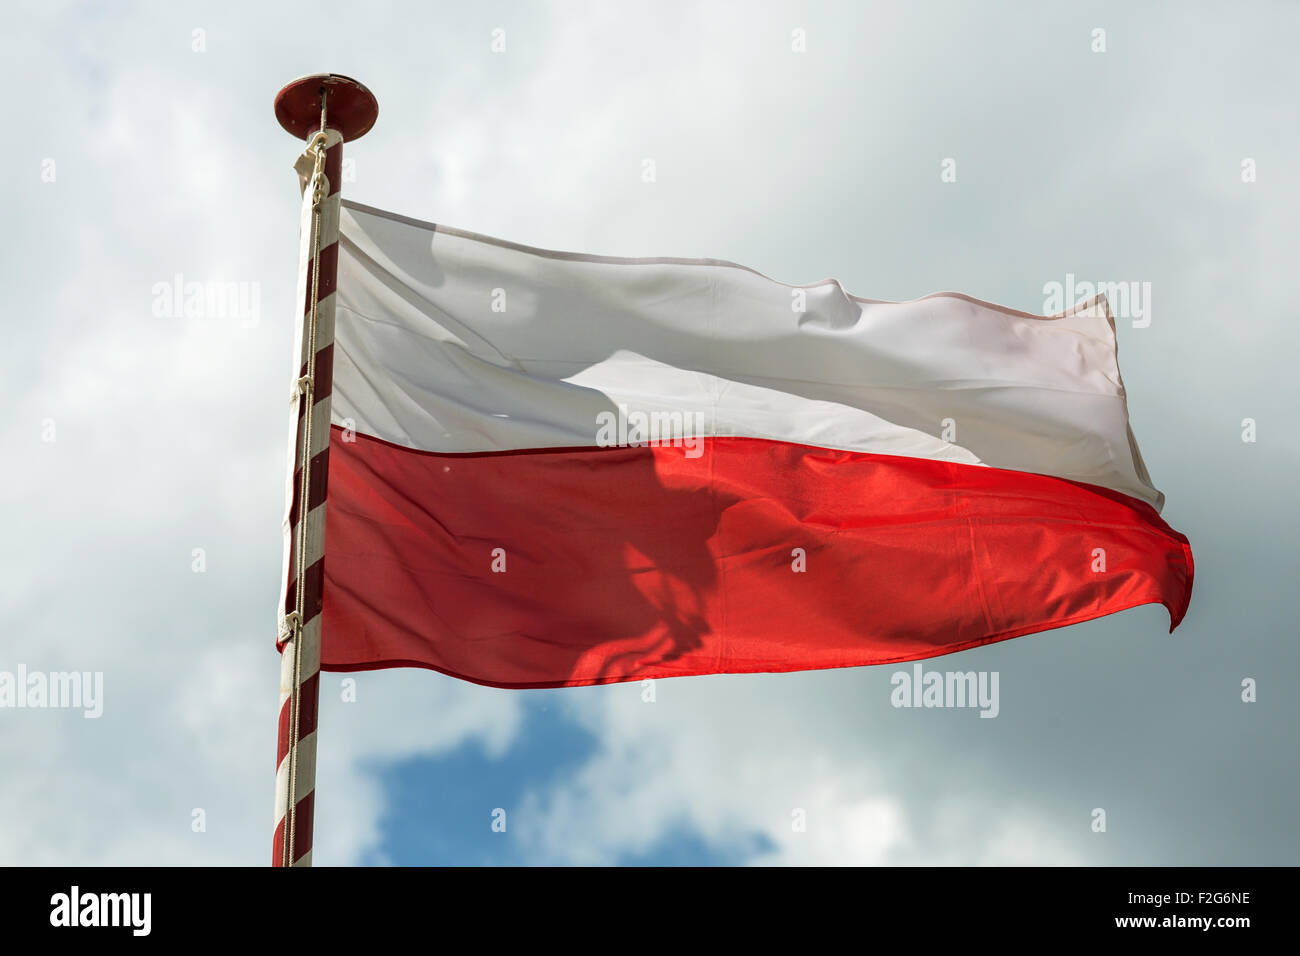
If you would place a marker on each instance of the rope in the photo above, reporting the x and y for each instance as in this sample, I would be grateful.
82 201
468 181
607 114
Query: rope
306 386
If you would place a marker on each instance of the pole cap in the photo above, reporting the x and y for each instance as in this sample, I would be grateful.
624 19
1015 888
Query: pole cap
350 108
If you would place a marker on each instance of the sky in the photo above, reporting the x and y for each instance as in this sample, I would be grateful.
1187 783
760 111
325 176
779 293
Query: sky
901 148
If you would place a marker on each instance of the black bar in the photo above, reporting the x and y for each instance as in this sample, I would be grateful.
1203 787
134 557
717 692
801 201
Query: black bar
264 907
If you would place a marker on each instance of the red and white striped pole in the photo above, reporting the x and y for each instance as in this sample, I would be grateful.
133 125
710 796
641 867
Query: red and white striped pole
325 110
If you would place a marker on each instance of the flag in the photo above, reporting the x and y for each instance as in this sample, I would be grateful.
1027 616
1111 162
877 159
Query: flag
552 469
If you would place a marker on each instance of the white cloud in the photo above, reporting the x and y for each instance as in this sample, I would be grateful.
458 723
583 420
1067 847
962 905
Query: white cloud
763 769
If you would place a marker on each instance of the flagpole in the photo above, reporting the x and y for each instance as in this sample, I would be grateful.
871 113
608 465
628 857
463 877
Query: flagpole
325 110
